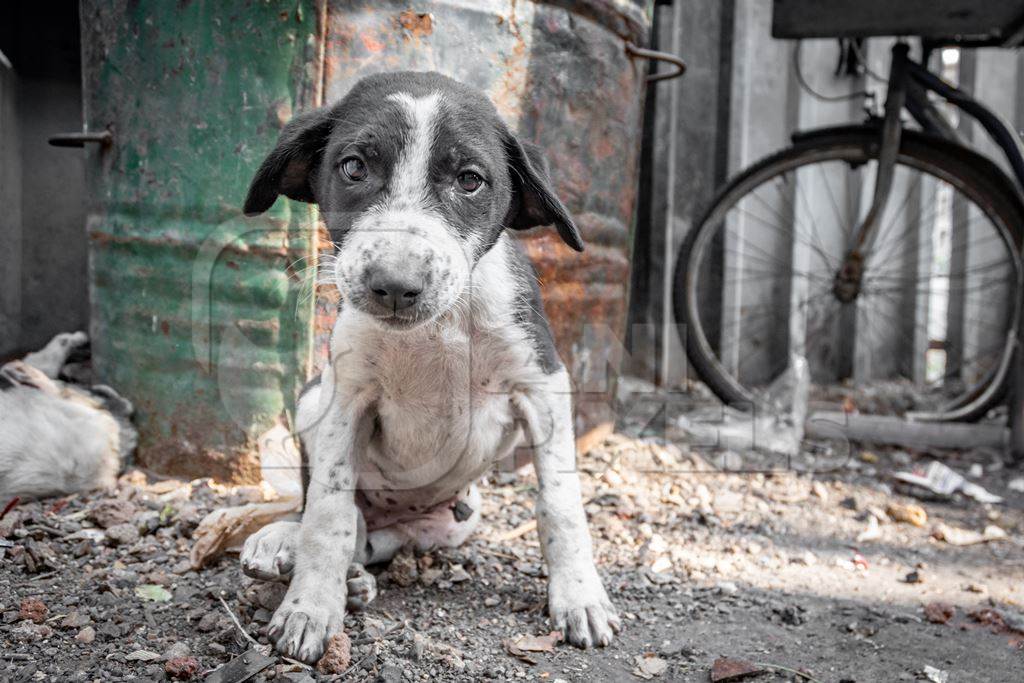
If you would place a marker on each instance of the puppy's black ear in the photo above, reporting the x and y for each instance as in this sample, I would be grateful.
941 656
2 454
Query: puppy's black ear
290 169
534 201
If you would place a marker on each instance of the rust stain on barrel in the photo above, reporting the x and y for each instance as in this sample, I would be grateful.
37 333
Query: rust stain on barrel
416 24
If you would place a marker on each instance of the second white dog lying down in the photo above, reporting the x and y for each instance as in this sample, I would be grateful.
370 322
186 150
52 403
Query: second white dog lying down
58 438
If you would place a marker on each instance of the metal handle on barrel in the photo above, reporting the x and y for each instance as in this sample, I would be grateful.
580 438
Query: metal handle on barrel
657 56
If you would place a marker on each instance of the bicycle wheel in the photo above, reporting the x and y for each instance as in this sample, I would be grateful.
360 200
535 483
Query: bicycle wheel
928 332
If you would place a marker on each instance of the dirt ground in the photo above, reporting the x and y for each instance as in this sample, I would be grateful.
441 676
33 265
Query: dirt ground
778 567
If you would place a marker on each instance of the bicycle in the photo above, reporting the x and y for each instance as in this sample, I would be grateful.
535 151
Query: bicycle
864 300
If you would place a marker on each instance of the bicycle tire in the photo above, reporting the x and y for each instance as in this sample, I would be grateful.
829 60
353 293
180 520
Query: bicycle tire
976 176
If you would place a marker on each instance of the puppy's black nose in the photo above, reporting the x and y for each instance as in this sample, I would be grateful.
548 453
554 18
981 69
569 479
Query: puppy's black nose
394 291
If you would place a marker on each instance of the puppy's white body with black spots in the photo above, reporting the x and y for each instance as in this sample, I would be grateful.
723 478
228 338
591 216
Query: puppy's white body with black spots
441 360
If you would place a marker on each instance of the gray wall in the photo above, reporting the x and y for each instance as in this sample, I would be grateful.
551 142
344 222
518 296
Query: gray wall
43 245
10 212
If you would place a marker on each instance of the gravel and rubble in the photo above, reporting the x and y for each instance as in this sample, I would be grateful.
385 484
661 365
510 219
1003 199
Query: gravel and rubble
718 562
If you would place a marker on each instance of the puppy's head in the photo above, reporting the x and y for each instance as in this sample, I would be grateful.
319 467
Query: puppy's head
416 176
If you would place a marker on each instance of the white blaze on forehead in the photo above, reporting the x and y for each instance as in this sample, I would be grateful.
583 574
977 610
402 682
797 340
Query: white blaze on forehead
412 172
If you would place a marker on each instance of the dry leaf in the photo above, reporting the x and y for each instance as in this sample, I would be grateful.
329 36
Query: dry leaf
725 669
227 528
649 665
521 646
153 592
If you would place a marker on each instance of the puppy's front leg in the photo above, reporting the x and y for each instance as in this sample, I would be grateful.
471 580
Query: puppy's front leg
577 601
313 609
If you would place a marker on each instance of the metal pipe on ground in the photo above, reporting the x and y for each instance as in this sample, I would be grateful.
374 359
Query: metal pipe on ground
896 431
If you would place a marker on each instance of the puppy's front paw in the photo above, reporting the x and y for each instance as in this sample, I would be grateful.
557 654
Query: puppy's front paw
269 554
304 621
580 609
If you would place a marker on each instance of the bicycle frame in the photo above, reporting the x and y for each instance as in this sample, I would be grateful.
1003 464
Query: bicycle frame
909 85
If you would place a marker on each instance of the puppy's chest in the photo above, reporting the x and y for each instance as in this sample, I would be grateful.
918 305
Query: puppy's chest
443 403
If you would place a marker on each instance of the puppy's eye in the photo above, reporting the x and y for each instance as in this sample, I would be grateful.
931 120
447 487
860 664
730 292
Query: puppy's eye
354 168
470 181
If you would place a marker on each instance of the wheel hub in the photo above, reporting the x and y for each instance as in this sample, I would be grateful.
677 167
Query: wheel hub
846 284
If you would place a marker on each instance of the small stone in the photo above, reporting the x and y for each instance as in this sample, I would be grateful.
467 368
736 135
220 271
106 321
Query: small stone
28 632
182 668
113 512
403 569
727 588
74 620
268 594
337 656
34 610
179 650
86 635
458 574
122 534
806 558
491 601
390 674
429 577
208 622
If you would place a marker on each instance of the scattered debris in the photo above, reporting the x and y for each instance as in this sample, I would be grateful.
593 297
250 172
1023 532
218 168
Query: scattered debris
649 665
142 656
32 609
241 668
939 612
872 533
726 669
1002 620
153 592
907 514
935 675
521 646
941 480
182 668
961 537
914 577
520 530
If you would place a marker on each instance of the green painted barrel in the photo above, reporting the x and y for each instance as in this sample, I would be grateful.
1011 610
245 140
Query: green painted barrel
196 313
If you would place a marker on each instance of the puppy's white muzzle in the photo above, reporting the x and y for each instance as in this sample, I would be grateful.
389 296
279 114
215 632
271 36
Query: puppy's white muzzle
403 268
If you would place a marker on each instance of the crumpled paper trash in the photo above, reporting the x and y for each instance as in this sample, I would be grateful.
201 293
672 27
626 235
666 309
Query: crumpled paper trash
940 479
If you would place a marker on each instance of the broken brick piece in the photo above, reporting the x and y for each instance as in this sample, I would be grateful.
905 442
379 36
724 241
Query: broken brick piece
337 656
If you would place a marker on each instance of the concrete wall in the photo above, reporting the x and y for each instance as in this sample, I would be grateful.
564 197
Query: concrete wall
10 212
43 246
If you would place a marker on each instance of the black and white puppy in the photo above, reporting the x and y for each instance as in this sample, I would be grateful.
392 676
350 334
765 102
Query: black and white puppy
442 361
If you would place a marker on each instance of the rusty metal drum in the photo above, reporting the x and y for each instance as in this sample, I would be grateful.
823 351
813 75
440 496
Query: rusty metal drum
562 75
